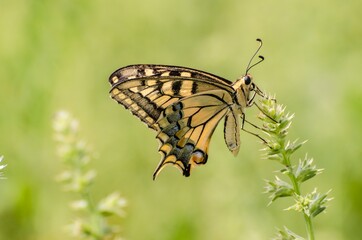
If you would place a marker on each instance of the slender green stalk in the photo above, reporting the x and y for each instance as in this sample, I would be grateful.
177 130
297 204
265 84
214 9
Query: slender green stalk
309 224
296 187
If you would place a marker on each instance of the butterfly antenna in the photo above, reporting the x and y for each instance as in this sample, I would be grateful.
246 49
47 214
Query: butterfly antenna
261 57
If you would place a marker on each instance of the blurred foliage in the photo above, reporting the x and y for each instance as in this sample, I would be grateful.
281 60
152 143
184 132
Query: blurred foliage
92 218
59 54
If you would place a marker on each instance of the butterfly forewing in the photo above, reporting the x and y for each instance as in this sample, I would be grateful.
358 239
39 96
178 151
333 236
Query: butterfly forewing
146 90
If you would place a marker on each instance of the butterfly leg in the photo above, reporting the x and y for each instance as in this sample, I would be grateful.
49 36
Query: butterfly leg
257 91
261 110
251 100
252 124
252 133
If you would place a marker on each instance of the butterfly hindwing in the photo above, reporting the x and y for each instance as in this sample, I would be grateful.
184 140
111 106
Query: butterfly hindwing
186 128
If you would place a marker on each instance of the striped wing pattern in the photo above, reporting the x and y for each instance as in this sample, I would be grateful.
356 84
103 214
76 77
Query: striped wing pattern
183 105
186 128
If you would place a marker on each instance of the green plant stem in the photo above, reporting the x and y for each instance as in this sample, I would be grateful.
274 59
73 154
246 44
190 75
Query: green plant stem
309 224
96 220
307 219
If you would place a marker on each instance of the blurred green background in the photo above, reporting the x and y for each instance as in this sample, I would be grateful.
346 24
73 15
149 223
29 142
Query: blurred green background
58 55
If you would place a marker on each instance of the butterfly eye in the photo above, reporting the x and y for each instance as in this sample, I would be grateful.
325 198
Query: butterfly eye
247 80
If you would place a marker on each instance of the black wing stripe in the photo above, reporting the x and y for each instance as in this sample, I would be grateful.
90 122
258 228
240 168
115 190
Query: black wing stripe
176 87
149 107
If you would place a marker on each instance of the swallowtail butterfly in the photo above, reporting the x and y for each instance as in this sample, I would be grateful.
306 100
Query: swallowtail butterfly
184 106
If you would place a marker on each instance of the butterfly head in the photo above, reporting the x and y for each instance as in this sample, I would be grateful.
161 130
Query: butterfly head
245 83
246 90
